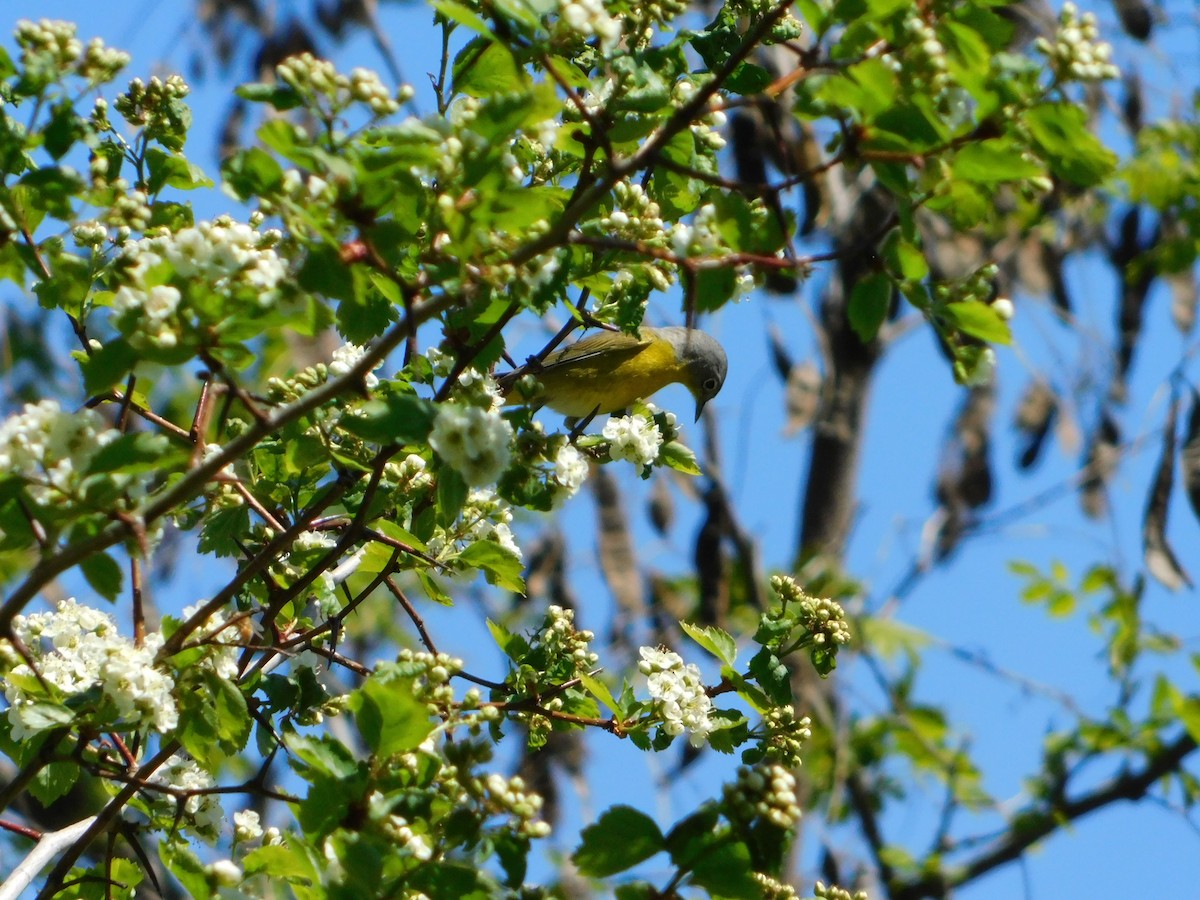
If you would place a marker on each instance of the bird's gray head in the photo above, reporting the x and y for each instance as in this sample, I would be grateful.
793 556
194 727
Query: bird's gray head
704 359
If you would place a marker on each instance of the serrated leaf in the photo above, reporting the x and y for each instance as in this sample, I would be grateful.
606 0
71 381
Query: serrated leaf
679 457
620 839
499 565
600 691
716 641
726 871
772 676
390 718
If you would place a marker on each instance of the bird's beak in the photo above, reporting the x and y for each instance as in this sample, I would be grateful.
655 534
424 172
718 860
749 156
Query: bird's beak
699 409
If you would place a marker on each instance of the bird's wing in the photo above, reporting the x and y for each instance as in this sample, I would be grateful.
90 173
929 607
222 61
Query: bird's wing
603 342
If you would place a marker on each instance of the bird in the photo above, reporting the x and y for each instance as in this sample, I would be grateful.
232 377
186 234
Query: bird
607 371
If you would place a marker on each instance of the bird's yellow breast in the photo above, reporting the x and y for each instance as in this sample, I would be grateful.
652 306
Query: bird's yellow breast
611 380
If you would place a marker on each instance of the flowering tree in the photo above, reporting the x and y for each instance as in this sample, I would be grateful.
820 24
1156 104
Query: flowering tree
572 168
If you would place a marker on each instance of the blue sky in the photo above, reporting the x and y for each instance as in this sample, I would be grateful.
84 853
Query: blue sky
971 603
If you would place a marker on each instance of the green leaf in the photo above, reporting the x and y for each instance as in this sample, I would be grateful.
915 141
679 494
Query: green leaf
1068 145
53 781
390 719
513 645
994 161
869 304
451 495
131 453
600 691
499 565
185 865
463 15
772 676
620 839
103 575
676 456
716 641
393 419
714 288
978 320
109 365
726 871
252 173
278 96
169 170
232 713
485 67
291 862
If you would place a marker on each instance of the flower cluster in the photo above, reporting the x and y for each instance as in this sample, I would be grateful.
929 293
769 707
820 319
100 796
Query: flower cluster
201 813
48 44
319 83
706 129
475 442
161 272
832 892
786 28
763 792
77 649
587 19
825 620
155 106
222 637
679 694
635 438
701 237
407 842
246 826
51 450
925 54
772 888
1077 53
344 359
509 796
561 639
785 736
431 676
635 216
489 519
570 470
644 16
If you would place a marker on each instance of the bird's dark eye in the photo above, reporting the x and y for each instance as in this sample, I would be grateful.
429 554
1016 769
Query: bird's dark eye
710 384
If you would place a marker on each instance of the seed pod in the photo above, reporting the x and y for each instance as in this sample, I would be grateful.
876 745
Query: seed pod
615 548
1159 557
661 507
1183 299
1136 18
802 396
1103 453
1189 456
1035 417
709 559
965 475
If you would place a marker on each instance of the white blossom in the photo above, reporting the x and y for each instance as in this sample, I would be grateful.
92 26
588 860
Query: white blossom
246 825
472 440
634 438
570 469
678 693
77 648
